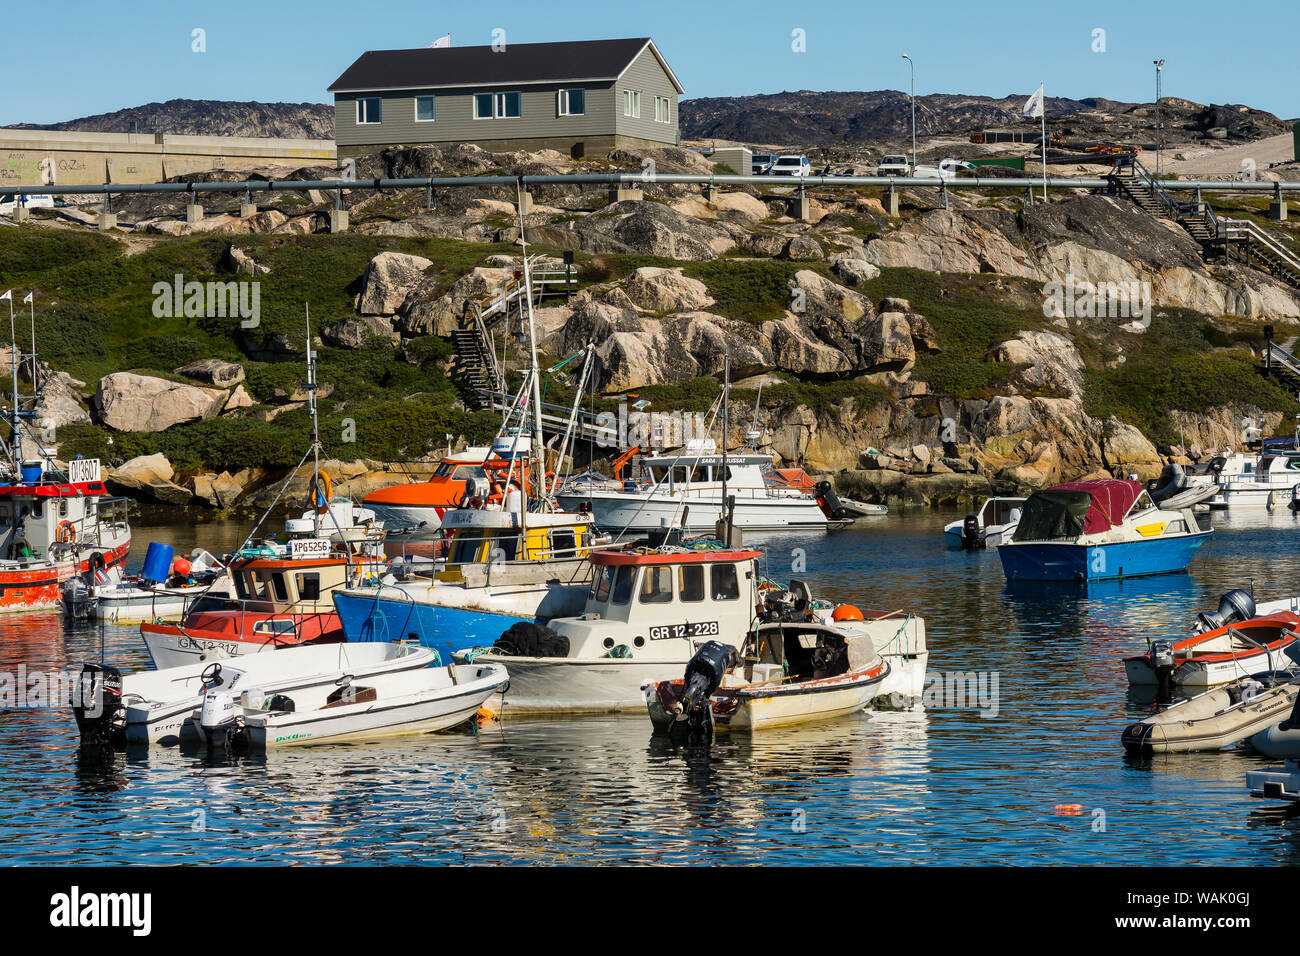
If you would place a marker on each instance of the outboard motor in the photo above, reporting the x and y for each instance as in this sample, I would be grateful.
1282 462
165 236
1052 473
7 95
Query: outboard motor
1235 605
219 718
704 673
1162 662
830 502
97 706
971 538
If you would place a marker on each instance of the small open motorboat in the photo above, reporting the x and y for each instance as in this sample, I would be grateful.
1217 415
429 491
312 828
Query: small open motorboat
1215 719
354 707
149 707
830 676
1217 656
164 590
991 526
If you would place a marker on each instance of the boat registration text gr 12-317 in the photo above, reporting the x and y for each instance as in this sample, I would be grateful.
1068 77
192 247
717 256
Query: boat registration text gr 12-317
694 629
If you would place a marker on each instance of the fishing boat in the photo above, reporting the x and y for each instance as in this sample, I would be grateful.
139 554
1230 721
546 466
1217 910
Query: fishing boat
278 594
1097 530
648 612
688 490
352 708
163 590
1217 656
1261 480
802 681
155 707
990 527
421 504
1215 719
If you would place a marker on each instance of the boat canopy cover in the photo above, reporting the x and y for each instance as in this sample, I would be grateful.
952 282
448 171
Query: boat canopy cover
1075 508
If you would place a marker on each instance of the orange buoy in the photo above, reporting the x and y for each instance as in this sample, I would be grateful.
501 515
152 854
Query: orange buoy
1068 809
485 715
846 612
181 566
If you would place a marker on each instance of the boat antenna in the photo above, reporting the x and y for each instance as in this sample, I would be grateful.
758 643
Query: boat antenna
538 450
725 521
315 446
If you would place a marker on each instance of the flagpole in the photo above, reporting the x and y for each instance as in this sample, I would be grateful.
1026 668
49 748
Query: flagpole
1042 115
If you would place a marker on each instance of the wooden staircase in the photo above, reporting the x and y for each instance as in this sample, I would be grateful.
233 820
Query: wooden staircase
1238 239
476 362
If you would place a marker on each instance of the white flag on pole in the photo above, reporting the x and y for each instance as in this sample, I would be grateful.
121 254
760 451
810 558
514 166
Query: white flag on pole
441 42
9 294
1034 105
28 299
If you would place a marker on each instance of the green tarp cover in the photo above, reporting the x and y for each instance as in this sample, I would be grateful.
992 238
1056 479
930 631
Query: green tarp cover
1053 514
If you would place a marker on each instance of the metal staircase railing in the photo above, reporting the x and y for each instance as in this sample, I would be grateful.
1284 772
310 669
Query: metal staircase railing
1276 355
1245 229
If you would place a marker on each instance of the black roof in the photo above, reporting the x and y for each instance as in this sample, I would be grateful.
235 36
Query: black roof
481 65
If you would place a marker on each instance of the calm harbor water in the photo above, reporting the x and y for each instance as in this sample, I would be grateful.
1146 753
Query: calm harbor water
944 786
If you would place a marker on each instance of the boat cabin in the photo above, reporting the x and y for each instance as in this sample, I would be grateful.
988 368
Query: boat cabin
494 546
53 519
663 604
1081 508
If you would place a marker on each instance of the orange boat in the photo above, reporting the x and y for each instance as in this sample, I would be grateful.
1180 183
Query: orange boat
52 528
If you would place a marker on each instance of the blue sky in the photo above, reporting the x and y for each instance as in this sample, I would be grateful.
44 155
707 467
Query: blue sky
102 56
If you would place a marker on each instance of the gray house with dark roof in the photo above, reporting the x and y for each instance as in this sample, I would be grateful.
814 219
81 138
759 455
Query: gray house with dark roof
581 97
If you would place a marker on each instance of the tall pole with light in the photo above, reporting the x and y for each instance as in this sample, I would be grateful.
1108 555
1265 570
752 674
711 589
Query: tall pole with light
913 66
1160 65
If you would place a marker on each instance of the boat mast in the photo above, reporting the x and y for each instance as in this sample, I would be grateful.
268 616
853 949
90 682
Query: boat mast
538 450
726 388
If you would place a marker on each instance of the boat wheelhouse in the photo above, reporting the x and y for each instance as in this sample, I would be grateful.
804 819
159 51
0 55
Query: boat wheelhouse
54 526
422 504
502 567
1257 481
1097 530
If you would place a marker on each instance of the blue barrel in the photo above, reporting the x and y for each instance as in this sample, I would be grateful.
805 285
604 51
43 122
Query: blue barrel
157 562
31 472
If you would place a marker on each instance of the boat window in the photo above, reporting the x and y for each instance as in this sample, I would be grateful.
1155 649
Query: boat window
308 586
562 543
681 475
463 472
277 582
504 547
1293 464
657 584
623 585
275 626
1176 527
442 471
63 508
37 508
692 582
1143 503
726 586
600 586
464 547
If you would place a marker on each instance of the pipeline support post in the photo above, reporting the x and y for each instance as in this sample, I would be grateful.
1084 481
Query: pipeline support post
1277 211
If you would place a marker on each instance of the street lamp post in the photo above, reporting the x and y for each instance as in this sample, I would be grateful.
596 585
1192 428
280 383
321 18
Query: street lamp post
913 66
1160 64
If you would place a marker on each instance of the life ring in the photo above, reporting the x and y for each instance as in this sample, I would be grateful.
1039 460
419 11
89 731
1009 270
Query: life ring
321 485
66 534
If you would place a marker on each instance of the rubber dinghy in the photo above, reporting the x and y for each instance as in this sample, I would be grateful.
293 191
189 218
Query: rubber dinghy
1215 719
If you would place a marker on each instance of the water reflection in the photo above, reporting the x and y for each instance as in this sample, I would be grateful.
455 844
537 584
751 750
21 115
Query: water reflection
947 785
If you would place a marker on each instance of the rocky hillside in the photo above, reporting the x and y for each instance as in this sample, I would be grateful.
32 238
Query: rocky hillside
917 357
884 116
209 118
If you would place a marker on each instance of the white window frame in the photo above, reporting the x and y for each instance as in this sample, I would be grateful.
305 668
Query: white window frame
632 103
667 109
499 104
562 101
416 107
367 99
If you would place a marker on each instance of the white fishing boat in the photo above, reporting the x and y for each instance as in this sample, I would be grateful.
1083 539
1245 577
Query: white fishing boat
991 526
1264 480
355 707
152 707
149 596
688 490
1217 656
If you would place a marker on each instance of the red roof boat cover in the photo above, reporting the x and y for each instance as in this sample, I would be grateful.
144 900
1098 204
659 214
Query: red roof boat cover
1111 499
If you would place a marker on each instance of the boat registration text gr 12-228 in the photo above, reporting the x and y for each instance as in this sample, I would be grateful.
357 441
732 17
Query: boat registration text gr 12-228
693 629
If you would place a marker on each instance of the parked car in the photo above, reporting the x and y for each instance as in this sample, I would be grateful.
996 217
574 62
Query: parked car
760 163
947 170
791 165
895 164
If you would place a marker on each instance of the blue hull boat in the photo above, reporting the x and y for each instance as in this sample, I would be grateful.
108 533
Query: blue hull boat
1067 561
1099 530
